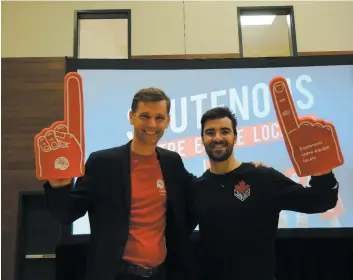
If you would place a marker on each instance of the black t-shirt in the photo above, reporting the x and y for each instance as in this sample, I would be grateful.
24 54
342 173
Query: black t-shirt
238 215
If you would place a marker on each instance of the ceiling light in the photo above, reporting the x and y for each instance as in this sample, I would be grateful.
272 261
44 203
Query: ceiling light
257 20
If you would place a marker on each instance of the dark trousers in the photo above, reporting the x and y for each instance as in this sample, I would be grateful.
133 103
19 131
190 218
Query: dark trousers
160 275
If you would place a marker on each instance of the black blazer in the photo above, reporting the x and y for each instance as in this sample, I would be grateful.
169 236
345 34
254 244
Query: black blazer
105 192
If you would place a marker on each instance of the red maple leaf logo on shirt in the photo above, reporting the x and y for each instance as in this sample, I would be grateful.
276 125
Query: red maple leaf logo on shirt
241 187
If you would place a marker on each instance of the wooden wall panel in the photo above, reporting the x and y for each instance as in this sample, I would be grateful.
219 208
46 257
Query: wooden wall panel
32 98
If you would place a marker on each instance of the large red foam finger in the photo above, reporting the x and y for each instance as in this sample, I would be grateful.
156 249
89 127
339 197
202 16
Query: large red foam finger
284 105
73 105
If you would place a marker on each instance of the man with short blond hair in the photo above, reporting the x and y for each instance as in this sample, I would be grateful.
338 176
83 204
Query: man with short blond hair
135 197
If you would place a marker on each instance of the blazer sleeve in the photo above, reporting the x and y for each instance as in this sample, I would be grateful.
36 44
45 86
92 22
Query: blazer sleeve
71 202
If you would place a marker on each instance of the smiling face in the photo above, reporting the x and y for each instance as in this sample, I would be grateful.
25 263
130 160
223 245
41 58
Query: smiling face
150 119
219 139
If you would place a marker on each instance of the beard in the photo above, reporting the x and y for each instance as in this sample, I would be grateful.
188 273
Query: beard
221 154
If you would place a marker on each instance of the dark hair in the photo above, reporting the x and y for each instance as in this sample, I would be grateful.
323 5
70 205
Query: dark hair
219 113
149 95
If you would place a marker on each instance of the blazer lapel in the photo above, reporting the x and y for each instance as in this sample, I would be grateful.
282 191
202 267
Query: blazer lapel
166 171
126 174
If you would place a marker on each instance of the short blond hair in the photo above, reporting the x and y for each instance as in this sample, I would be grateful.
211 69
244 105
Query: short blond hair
149 95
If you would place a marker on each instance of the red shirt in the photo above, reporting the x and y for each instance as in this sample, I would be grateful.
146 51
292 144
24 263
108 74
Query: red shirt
146 242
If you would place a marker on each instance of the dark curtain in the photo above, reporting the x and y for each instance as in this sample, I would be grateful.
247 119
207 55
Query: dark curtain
71 261
314 259
297 259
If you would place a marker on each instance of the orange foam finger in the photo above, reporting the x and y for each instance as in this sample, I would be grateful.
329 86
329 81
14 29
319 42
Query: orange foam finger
284 105
73 105
312 144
